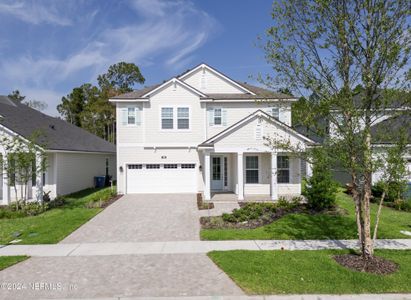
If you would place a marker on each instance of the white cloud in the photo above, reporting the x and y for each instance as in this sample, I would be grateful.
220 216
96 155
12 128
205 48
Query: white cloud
34 13
167 33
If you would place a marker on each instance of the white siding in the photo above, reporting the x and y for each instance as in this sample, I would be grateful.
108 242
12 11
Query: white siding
209 82
238 111
129 133
76 171
173 96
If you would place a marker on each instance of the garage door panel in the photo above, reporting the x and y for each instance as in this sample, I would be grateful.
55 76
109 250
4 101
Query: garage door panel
174 180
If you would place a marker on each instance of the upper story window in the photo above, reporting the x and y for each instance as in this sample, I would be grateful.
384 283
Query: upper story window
183 118
275 112
283 169
175 118
217 116
131 115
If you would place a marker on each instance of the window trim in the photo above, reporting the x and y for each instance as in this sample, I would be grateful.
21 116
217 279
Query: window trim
284 169
252 169
175 118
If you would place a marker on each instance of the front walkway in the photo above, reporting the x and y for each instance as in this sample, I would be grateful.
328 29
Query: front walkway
189 247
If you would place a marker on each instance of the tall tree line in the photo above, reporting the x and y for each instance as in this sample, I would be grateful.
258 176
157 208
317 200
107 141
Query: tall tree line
87 106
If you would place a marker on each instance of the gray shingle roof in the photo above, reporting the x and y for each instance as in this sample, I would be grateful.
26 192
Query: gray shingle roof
53 133
388 130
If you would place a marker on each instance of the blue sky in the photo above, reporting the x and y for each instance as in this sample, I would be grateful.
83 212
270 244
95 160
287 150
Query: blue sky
48 47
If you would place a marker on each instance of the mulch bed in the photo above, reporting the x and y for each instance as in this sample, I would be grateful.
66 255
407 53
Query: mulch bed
111 201
376 265
217 222
201 205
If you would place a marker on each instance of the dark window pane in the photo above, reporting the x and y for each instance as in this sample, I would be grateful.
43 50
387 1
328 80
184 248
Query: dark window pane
283 176
167 123
183 124
251 162
251 176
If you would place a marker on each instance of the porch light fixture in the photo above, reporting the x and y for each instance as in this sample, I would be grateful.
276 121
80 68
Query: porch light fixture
200 167
121 169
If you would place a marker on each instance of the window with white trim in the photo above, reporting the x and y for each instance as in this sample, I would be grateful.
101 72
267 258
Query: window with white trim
183 118
251 169
283 169
167 120
131 115
275 112
218 116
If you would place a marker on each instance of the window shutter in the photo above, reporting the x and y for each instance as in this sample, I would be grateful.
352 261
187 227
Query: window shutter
124 116
138 115
224 116
210 113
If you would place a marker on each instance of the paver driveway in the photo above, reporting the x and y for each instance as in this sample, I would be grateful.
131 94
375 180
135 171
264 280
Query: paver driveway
143 218
133 218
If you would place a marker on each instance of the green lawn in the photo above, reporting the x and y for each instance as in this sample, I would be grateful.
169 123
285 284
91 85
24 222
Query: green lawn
304 272
55 224
8 261
320 226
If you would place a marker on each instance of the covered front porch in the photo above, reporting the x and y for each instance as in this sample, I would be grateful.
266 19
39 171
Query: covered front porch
252 176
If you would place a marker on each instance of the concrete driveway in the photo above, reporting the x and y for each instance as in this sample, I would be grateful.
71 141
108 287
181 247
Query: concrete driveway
143 218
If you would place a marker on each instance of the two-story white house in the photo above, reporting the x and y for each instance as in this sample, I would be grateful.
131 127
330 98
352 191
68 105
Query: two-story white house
202 132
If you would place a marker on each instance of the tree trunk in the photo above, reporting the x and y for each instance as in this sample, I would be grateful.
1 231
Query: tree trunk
368 243
358 211
377 220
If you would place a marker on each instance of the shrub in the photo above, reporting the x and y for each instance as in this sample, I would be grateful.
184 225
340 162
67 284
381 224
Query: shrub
250 211
320 189
34 208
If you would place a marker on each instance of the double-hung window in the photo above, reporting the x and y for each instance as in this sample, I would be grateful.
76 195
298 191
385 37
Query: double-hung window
275 112
218 117
283 169
167 120
183 118
131 115
251 169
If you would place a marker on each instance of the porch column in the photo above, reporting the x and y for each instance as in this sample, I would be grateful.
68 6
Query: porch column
6 188
309 170
39 178
297 179
274 185
240 175
207 179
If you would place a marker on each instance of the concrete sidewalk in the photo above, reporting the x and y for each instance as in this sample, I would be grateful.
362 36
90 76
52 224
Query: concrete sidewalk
189 247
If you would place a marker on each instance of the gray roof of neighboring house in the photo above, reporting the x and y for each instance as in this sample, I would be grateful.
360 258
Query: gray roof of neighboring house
52 133
387 131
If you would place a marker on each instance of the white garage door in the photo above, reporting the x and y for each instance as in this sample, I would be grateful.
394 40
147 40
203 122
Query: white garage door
161 178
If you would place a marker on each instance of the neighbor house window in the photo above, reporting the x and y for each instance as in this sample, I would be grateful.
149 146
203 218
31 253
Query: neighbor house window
107 165
33 173
218 119
275 112
283 169
251 169
167 118
183 118
131 116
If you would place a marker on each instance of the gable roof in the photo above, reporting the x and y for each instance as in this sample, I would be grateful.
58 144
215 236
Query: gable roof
210 142
203 65
251 92
54 133
174 81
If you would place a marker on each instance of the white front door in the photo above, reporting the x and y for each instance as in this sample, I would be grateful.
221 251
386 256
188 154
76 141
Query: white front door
217 169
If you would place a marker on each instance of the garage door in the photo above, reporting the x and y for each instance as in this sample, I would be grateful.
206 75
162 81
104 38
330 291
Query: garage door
161 178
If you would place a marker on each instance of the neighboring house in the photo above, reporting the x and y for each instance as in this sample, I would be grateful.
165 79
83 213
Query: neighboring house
73 155
204 132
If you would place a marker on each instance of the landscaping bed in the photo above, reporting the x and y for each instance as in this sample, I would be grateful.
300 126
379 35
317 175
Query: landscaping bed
256 214
310 272
375 265
201 205
54 224
303 224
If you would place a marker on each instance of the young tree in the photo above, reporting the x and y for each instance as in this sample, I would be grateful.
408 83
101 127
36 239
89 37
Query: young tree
327 48
23 162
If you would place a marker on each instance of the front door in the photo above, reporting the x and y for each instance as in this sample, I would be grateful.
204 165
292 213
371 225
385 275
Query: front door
217 173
